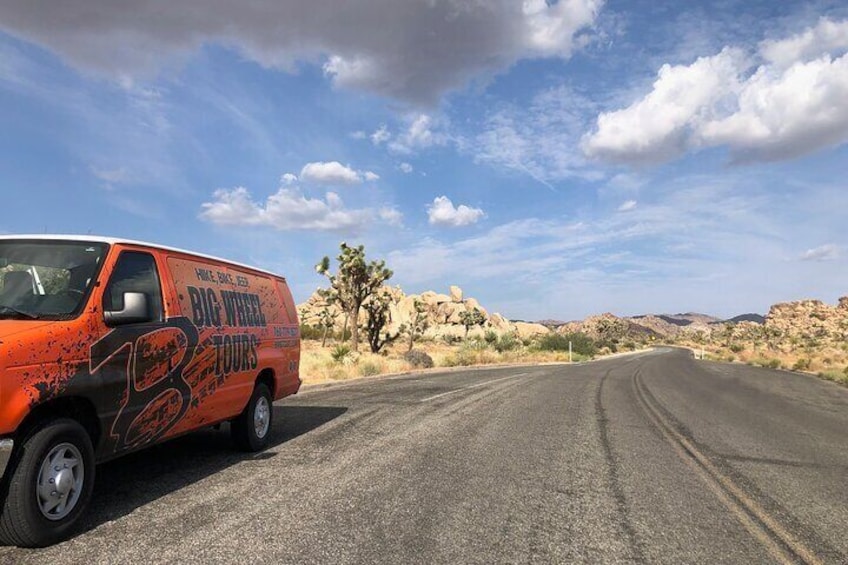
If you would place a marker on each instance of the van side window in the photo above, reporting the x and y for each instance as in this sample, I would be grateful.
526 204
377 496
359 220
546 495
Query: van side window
135 272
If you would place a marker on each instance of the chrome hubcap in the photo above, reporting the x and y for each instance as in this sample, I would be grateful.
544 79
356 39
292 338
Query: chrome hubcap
60 481
261 417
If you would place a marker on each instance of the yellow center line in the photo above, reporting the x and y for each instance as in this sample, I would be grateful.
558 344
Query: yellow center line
715 480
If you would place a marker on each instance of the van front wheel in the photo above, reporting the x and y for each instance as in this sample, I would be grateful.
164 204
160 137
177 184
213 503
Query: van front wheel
50 485
252 428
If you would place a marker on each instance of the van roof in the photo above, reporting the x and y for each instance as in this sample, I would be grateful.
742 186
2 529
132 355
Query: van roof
118 240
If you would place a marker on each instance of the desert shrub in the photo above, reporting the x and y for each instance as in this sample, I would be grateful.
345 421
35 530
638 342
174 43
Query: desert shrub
631 345
369 368
342 335
491 337
340 353
476 344
730 358
736 347
802 364
507 342
418 358
310 332
553 342
836 376
768 363
451 339
581 343
462 357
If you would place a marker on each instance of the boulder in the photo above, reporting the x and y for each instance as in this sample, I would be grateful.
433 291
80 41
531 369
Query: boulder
418 358
527 330
499 323
455 293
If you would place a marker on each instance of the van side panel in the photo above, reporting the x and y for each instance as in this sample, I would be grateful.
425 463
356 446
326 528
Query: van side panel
288 341
239 316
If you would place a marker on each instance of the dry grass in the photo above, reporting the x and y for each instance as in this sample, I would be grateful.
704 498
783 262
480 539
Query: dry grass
827 361
317 364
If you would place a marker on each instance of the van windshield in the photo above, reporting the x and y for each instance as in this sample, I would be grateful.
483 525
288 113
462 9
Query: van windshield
46 279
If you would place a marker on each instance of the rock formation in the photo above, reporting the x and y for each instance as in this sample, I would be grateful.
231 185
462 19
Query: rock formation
808 320
786 323
442 312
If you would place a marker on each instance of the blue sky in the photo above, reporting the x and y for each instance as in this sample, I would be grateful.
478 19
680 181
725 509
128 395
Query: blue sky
554 159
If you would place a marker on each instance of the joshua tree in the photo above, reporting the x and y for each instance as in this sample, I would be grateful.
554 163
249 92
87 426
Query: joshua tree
326 317
377 308
326 320
354 281
419 322
471 318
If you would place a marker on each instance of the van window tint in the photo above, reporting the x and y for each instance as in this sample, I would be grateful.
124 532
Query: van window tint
134 272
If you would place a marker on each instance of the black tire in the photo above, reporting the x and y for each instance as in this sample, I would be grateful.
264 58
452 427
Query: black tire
246 431
22 522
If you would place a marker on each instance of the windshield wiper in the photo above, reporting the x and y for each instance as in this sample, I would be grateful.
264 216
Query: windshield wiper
5 309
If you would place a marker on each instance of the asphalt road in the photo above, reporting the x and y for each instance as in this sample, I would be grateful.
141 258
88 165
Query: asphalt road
653 458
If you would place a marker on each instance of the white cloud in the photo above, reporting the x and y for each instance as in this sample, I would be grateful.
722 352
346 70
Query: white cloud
334 173
391 216
539 139
552 26
381 135
359 134
413 50
422 132
825 38
112 176
787 101
787 114
627 206
659 126
405 168
287 209
288 179
827 252
443 213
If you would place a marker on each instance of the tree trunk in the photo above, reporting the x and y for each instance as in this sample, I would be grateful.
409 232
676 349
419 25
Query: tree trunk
344 327
354 328
466 333
411 337
324 336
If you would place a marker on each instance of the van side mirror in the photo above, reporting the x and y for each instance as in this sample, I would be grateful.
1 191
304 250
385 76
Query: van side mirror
135 310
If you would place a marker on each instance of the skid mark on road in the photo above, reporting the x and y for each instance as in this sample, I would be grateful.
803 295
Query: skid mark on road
614 479
782 544
441 394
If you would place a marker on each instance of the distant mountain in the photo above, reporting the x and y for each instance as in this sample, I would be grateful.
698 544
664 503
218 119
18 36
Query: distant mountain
675 320
756 318
550 323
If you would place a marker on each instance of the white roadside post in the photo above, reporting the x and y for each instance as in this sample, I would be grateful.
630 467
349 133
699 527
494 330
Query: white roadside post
569 351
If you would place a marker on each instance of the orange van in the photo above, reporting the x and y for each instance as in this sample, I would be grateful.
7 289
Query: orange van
109 346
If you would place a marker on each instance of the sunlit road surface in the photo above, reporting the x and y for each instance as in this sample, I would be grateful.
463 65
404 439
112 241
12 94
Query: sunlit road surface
651 458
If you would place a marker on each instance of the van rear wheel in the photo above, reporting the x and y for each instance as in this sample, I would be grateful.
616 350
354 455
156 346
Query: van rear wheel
50 486
252 428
